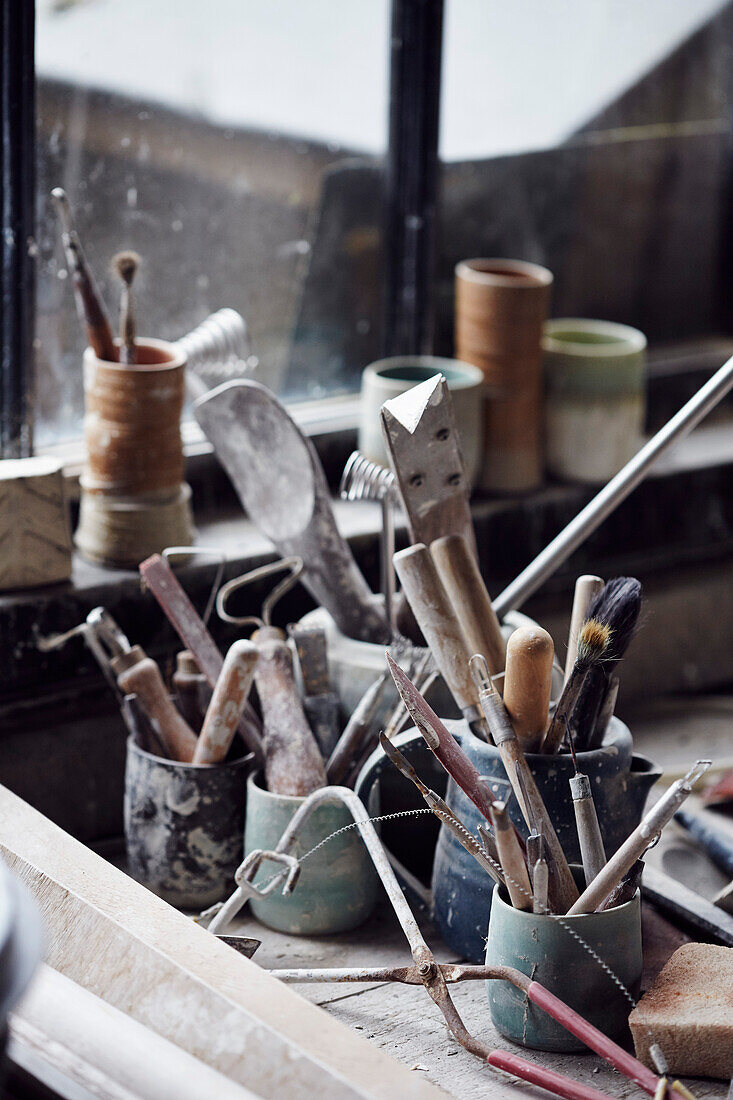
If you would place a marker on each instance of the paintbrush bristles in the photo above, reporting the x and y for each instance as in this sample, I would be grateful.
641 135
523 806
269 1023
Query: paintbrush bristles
126 264
618 605
593 643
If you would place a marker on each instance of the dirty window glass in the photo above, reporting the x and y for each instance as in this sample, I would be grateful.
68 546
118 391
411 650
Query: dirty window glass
234 145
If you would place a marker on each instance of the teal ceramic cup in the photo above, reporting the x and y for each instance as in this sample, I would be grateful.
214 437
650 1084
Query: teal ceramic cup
594 397
546 949
337 887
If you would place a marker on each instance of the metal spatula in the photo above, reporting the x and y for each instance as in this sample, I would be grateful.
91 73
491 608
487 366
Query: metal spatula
280 482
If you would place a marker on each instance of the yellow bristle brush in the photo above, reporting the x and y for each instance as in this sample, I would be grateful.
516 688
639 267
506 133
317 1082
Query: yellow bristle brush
593 643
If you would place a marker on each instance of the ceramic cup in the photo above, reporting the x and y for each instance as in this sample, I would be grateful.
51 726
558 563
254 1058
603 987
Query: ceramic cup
337 886
388 378
183 826
501 306
594 397
547 950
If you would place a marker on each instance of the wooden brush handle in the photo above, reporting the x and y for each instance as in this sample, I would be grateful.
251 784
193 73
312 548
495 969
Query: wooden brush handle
562 889
565 704
350 741
137 674
511 859
437 620
459 572
587 588
227 703
293 763
528 683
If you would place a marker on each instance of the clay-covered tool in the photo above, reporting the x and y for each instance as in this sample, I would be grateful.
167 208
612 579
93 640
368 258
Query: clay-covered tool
191 629
439 623
280 482
458 569
528 684
422 444
137 674
227 703
293 763
320 702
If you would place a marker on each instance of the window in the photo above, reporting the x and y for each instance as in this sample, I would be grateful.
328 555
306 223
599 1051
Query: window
233 145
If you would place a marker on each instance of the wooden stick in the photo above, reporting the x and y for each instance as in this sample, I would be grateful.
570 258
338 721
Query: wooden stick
587 588
528 684
227 704
511 858
293 763
137 674
139 954
592 852
190 628
356 730
458 570
439 623
563 891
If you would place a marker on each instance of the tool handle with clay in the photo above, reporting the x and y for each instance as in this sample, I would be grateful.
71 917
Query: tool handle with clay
439 623
563 891
137 674
592 852
528 684
458 570
293 764
227 703
511 858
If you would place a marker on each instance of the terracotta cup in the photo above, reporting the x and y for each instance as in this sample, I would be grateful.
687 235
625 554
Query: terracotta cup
501 307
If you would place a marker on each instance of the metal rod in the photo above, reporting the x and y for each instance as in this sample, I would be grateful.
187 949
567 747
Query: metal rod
617 489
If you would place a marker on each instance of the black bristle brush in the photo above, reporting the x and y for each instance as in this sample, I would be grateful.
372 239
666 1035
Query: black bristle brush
619 605
594 641
125 264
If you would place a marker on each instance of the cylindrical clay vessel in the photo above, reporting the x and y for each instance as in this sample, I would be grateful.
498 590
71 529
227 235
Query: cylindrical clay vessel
337 887
134 501
594 397
183 826
501 306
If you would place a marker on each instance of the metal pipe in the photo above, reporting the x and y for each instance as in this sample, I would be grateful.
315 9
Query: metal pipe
617 489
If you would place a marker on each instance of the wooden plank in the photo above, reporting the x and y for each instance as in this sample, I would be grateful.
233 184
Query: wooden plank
122 943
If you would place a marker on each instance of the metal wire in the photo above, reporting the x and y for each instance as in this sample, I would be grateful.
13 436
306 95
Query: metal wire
363 479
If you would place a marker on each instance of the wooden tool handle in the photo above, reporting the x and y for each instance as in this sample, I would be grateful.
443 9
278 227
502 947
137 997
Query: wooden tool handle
459 572
592 852
139 675
562 889
293 764
437 620
511 858
227 703
528 683
586 588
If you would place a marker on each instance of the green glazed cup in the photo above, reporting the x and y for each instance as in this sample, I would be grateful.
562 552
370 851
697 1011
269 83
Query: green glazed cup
337 887
545 948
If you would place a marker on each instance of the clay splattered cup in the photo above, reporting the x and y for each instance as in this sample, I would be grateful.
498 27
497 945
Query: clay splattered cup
337 887
183 826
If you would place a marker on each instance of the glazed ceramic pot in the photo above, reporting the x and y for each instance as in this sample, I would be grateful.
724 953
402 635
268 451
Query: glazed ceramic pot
594 398
183 826
337 886
550 951
388 378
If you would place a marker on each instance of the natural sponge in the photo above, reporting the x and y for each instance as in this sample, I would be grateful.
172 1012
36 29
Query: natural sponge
688 1011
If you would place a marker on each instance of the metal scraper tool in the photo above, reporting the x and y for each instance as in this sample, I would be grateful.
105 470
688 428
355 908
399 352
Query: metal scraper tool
422 443
280 482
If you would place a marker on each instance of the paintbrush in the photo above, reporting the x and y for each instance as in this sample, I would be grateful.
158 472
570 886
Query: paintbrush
88 299
125 264
592 852
593 642
563 891
618 605
488 854
443 745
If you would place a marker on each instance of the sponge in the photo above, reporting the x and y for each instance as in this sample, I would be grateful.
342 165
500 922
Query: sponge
688 1011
